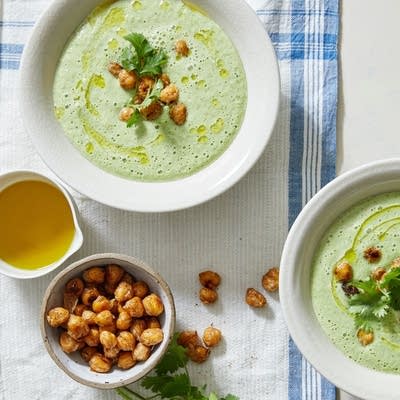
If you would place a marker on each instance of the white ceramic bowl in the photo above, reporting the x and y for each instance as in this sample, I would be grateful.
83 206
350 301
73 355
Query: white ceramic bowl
38 66
316 217
72 364
9 178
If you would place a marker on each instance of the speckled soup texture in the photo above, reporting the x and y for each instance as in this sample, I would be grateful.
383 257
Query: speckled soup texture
373 222
211 80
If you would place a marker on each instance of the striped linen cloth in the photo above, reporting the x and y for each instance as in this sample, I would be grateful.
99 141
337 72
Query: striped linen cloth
240 233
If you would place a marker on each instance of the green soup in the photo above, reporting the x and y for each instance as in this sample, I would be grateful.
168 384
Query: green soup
373 223
211 82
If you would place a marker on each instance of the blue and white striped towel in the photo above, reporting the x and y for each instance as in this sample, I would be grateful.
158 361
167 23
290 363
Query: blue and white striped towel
242 231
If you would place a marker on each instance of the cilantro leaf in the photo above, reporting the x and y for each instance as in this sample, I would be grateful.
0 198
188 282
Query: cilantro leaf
134 119
174 358
154 63
230 397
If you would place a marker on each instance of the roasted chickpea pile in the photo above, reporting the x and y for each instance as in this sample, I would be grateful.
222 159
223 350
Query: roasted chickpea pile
210 281
199 349
108 316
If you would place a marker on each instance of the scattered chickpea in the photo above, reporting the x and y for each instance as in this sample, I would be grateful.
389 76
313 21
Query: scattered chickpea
92 339
77 327
124 320
153 305
141 352
146 83
198 354
169 94
123 292
372 254
208 296
140 289
182 48
114 68
88 352
153 322
270 281
126 341
137 327
211 336
57 316
100 363
68 343
125 113
114 274
178 113
94 275
126 360
255 299
365 337
189 339
134 307
165 79
88 295
127 79
378 273
152 111
152 336
343 272
209 279
75 286
104 318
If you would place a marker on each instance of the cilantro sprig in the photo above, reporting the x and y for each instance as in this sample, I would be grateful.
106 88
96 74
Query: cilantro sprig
375 298
171 380
143 58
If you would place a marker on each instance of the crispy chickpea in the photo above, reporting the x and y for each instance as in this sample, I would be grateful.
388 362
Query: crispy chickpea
365 337
182 48
134 307
114 274
92 339
189 339
125 113
255 299
153 322
123 292
146 83
128 278
126 341
70 301
153 305
178 113
198 354
343 272
94 275
270 281
68 343
211 336
372 254
124 321
114 68
138 326
209 279
152 111
75 286
208 296
89 316
377 274
126 360
140 289
77 327
109 328
395 263
127 79
80 309
101 303
57 316
88 352
141 352
100 363
114 306
165 79
152 336
111 353
104 318
88 295
169 94
109 289
108 340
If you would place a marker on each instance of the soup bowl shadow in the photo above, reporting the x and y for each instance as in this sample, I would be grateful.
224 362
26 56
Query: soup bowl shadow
295 279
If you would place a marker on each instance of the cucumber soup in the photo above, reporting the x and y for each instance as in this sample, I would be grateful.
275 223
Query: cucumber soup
211 82
355 283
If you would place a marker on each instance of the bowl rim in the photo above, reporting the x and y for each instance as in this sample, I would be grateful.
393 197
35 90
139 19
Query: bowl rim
117 257
346 374
165 196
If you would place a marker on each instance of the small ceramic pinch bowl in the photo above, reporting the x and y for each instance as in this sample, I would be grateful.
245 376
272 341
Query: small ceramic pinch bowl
295 279
73 364
9 178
